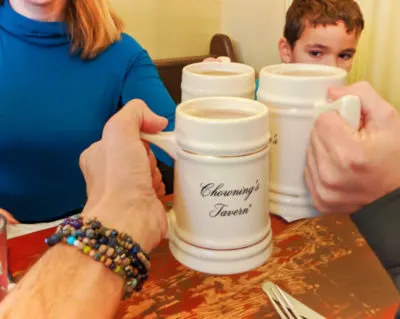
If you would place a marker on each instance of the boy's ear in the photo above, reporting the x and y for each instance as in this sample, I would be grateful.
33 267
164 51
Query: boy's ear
285 50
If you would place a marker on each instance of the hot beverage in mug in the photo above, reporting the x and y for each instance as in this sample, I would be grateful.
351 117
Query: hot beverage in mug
217 79
220 218
217 73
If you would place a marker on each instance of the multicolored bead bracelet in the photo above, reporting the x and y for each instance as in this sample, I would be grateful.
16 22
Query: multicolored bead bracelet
115 250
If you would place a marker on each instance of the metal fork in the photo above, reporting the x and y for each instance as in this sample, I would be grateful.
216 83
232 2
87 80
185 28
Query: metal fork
281 303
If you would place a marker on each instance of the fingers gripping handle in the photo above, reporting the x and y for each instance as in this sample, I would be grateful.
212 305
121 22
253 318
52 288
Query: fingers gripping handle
348 106
165 141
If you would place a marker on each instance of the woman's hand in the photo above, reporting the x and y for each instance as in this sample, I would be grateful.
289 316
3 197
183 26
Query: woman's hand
219 59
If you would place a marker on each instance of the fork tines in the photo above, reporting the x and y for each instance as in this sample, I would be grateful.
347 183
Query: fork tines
280 302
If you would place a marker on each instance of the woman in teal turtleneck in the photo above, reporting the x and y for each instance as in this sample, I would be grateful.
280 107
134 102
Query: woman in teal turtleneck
65 69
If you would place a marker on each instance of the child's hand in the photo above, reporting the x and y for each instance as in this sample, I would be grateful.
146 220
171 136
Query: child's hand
219 59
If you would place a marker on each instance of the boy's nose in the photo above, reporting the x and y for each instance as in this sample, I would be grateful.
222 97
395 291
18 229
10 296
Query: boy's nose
332 61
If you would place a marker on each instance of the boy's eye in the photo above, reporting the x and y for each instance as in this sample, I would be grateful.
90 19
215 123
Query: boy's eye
345 56
315 54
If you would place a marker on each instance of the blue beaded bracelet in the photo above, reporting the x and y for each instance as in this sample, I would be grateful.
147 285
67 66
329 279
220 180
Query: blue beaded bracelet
115 250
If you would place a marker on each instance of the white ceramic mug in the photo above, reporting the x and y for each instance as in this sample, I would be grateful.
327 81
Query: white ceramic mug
295 95
220 220
217 79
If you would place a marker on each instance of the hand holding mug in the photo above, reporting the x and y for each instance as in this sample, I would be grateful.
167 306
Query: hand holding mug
296 94
219 222
119 177
349 168
219 59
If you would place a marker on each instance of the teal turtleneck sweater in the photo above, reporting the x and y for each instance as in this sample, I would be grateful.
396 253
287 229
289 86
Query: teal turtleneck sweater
53 105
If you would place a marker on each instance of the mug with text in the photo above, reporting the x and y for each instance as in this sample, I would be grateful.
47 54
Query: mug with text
220 220
295 95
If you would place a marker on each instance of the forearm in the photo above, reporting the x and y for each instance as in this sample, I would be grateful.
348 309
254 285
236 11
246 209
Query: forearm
379 223
65 283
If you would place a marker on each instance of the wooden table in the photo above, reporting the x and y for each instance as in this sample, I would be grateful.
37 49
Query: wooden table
323 262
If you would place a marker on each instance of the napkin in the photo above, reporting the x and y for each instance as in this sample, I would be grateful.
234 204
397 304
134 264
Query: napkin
24 229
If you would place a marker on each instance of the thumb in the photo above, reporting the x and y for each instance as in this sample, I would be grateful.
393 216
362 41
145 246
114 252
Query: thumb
151 122
374 108
133 118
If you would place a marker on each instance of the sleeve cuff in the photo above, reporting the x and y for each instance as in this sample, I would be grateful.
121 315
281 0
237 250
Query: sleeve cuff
379 223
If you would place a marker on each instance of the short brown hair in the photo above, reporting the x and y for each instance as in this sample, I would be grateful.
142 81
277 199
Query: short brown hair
321 12
93 26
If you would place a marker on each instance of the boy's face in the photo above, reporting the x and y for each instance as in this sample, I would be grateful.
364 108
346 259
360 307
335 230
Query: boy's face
330 45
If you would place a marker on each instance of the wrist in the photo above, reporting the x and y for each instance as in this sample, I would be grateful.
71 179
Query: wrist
123 218
61 278
116 250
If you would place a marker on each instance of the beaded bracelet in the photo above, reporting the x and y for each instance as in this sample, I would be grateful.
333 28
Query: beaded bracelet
115 250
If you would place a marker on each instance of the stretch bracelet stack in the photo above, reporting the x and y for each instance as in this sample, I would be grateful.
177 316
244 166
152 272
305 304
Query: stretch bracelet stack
115 250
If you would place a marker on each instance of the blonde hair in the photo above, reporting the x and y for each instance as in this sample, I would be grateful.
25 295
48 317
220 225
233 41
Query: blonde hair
93 26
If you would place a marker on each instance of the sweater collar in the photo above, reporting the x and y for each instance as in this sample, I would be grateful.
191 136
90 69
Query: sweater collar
32 31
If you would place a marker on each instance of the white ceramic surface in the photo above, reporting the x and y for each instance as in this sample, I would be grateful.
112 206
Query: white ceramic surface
219 262
240 84
221 185
208 212
294 101
216 137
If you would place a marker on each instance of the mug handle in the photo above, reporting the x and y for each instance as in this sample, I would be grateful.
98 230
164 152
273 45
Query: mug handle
349 107
165 141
